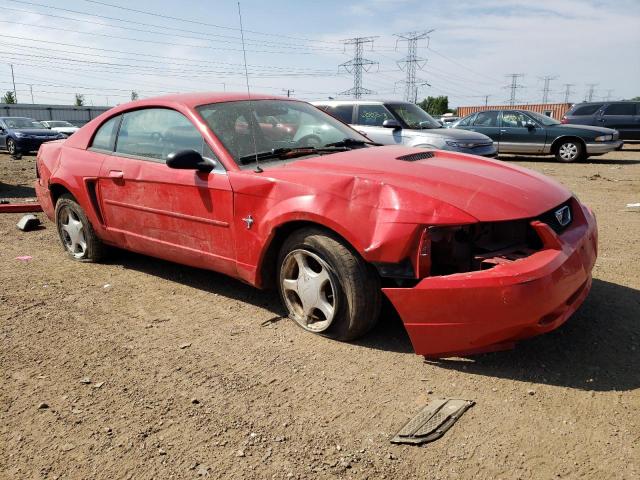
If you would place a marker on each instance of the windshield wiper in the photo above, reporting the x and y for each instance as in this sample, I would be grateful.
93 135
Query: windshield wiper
347 142
290 152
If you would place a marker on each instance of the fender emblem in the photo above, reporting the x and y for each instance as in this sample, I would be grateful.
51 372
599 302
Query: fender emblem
248 220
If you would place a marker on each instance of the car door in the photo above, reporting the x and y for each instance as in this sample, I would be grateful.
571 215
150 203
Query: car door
519 133
622 117
179 215
3 134
487 124
369 119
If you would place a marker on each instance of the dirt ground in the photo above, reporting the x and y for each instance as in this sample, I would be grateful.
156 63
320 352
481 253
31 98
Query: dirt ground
154 370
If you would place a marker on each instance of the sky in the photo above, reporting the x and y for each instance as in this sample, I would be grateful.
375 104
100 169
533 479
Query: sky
104 49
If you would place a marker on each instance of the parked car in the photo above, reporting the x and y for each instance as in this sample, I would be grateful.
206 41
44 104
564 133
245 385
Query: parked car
23 135
621 116
403 123
525 132
473 253
60 126
448 120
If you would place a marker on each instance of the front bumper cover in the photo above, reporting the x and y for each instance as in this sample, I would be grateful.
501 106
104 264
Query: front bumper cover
603 147
489 310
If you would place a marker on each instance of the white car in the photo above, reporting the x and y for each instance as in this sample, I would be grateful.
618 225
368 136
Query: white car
61 126
402 123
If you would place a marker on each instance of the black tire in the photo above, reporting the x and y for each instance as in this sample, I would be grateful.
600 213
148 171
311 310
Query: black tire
354 285
11 146
68 212
570 150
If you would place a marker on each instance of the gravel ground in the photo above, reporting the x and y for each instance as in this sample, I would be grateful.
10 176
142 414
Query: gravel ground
138 368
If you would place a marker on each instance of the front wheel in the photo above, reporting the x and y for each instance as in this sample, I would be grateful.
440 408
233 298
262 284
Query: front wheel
326 287
569 151
11 146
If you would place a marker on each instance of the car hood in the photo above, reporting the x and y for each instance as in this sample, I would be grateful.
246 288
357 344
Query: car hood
65 129
487 190
603 130
36 131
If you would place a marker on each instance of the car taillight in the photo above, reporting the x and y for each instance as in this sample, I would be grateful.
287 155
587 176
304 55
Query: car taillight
423 262
564 120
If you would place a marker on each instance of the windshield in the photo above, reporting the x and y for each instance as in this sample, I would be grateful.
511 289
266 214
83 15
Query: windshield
543 119
58 123
19 122
249 128
413 115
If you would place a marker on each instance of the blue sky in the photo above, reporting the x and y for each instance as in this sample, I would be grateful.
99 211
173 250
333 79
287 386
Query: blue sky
93 47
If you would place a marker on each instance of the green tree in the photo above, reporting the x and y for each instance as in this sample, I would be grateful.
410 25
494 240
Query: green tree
9 97
79 100
134 95
636 99
435 105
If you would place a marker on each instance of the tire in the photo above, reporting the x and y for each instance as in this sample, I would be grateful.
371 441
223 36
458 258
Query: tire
569 150
76 233
326 287
11 146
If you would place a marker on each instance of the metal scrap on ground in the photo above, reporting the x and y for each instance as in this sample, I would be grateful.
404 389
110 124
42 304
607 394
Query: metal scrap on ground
433 421
28 223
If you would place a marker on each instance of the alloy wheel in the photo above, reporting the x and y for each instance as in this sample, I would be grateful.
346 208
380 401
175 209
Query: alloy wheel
568 151
11 146
309 290
72 232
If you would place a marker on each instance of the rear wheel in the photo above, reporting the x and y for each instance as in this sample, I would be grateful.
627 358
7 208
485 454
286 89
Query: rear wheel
326 287
569 150
76 232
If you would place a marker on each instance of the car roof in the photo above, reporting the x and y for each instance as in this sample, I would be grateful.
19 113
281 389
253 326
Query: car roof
194 99
335 103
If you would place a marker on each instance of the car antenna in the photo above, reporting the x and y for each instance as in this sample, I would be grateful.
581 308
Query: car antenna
246 76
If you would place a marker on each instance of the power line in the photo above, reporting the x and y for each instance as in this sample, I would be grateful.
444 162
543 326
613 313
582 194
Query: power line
412 63
591 91
357 65
514 86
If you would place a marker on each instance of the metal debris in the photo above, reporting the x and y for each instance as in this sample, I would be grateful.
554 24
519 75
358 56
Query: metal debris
28 223
433 421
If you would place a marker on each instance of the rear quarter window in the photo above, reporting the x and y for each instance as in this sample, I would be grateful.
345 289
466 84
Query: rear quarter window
586 110
105 137
620 109
344 113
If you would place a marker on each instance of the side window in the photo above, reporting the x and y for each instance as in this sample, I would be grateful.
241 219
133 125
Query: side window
467 121
373 115
514 119
344 113
586 110
157 132
486 119
105 137
620 109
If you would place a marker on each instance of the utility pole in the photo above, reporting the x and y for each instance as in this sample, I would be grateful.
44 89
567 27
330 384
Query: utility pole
592 89
289 91
412 63
567 91
486 100
15 94
357 65
513 86
545 91
31 89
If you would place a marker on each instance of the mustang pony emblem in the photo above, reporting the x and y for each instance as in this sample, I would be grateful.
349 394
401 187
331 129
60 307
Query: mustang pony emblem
563 216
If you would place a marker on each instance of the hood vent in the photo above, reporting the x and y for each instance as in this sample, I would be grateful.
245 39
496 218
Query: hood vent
414 157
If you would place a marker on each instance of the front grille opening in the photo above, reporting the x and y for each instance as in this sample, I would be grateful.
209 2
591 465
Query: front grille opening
414 157
553 221
481 246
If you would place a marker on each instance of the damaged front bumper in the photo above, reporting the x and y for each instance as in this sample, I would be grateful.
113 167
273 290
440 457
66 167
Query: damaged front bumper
488 310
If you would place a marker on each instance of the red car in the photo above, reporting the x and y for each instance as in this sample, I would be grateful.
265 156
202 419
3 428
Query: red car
473 253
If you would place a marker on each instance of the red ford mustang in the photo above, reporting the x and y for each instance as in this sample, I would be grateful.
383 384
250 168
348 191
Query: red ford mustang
474 254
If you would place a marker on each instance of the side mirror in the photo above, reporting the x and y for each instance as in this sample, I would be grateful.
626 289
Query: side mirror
530 125
391 123
189 160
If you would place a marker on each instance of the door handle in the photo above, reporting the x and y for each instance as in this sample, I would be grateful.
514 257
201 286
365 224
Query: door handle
502 131
116 174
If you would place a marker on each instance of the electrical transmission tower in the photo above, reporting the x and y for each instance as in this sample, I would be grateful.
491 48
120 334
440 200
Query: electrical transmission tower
591 91
412 63
514 86
567 91
545 90
609 94
357 65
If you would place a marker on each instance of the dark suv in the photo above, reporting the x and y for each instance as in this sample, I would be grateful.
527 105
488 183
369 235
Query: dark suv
621 116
